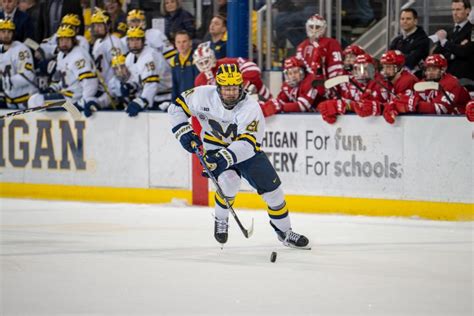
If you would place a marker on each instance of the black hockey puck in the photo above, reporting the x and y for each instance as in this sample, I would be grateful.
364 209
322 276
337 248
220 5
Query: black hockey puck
273 256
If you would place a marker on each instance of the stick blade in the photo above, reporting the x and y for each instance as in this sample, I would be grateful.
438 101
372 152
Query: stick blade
330 83
426 85
72 110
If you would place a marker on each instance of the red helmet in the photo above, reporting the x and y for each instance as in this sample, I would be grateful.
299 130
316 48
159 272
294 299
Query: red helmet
393 57
291 62
353 49
436 60
364 58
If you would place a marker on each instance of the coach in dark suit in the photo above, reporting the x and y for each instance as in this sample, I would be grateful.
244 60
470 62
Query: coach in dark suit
457 45
23 24
54 10
413 41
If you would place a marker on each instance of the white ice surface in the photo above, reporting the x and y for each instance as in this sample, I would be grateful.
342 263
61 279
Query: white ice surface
60 258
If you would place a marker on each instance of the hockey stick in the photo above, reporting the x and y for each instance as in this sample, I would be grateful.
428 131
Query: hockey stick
247 232
331 83
66 104
431 85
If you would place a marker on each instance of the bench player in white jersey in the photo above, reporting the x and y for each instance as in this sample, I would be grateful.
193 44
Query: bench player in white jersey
232 130
106 47
49 45
78 80
153 37
16 68
146 67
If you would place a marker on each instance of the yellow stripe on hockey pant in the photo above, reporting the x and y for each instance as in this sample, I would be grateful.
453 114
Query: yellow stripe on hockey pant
22 99
221 201
87 75
184 106
151 79
280 213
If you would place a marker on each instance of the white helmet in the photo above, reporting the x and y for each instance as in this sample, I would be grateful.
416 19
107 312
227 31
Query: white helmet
315 27
204 57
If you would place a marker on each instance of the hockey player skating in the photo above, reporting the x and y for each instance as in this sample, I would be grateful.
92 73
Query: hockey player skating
297 93
78 81
232 130
205 60
16 68
449 98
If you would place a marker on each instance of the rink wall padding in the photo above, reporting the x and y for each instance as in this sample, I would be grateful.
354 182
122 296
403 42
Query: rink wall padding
420 166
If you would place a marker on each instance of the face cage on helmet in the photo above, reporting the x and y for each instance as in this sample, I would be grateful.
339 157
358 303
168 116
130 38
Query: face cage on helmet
398 69
122 73
230 105
441 72
363 72
293 82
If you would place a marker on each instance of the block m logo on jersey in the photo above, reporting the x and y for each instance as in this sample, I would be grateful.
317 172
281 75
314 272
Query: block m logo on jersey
218 130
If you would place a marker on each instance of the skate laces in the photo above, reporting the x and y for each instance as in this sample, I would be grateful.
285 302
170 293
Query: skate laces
292 237
221 226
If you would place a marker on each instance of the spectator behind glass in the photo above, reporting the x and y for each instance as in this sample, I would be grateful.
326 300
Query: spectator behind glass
457 45
33 9
359 13
290 21
412 42
23 24
218 34
118 18
52 12
177 19
183 69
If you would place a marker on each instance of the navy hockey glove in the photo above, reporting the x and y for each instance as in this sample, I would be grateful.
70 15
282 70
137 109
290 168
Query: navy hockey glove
187 136
128 89
90 108
136 106
219 161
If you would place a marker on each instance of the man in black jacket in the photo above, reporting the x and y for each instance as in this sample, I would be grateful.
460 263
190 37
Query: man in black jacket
457 45
412 42
54 10
23 25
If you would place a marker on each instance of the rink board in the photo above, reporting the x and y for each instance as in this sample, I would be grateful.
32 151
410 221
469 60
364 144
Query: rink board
421 166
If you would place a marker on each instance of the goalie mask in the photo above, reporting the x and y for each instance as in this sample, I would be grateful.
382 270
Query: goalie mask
315 27
435 66
364 69
204 58
230 85
293 71
392 63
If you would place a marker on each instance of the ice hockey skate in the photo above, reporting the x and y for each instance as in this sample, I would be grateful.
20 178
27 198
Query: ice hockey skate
221 227
292 239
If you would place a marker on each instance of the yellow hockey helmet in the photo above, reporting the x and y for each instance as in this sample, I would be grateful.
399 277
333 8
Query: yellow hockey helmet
136 15
99 16
7 25
229 75
65 31
135 32
118 60
71 19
